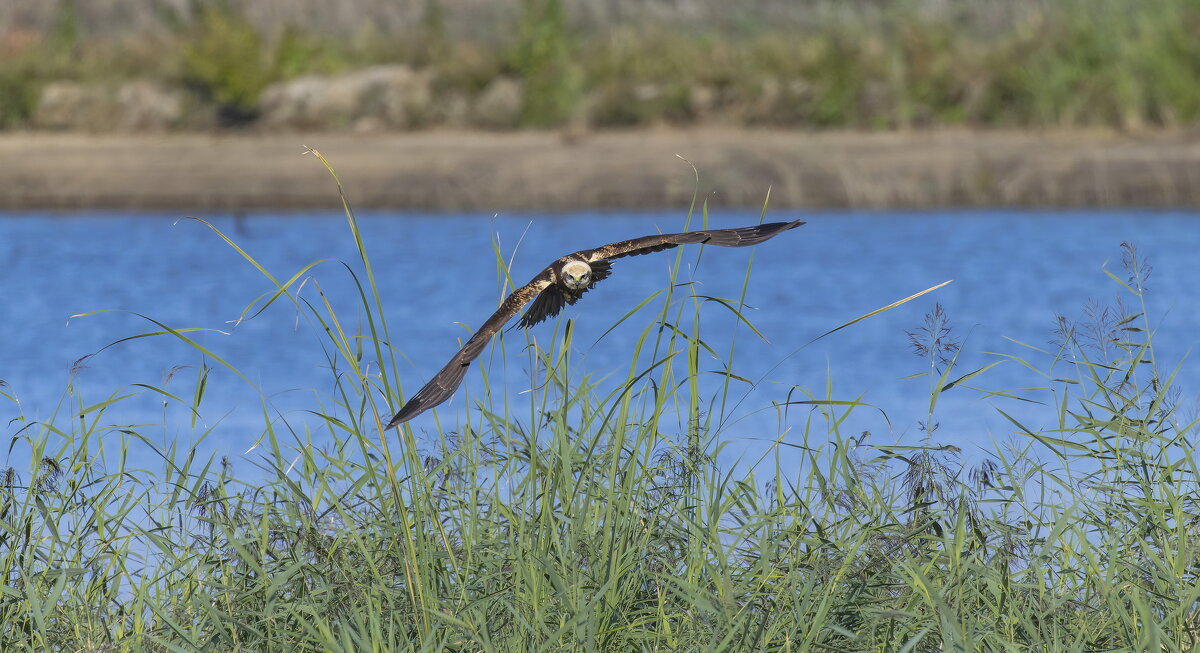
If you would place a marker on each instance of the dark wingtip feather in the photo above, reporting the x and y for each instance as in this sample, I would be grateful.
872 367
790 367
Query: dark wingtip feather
780 227
407 412
428 397
768 231
746 236
440 388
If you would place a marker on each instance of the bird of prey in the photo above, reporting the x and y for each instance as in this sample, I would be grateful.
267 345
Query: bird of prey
561 284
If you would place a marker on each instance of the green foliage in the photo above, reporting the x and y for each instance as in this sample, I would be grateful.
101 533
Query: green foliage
54 55
597 516
433 33
544 58
225 59
18 96
66 30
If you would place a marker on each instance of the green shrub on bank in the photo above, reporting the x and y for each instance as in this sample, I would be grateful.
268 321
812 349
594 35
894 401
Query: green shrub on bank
544 58
18 96
601 515
225 59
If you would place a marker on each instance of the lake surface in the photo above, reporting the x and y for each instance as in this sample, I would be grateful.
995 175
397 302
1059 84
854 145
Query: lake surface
1012 271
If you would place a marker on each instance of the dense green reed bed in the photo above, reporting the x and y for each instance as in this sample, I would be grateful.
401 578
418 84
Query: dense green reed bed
875 64
601 515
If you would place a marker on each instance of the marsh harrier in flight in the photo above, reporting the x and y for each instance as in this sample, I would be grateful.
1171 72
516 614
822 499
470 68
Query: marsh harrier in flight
561 284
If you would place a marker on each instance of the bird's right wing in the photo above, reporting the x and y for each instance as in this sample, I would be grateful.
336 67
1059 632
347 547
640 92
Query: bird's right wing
443 384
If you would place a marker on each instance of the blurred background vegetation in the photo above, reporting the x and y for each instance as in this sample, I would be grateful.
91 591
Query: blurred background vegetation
104 65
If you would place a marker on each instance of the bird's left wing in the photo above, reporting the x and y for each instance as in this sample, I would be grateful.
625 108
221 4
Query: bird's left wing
739 237
551 302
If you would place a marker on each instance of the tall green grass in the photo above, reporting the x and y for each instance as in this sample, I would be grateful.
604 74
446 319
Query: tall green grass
605 514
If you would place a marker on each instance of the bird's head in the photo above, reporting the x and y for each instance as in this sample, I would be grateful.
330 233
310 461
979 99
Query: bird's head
576 275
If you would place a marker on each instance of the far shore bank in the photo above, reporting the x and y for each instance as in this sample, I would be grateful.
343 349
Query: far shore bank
480 171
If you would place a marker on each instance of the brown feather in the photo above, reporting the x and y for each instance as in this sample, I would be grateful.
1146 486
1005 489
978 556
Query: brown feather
443 384
739 237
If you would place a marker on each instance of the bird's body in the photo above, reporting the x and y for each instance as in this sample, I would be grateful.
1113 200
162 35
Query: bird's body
561 284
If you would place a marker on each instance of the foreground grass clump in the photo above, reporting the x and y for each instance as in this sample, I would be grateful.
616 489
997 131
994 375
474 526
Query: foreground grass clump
589 515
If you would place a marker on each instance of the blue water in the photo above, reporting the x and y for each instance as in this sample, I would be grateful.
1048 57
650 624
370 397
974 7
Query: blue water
1012 271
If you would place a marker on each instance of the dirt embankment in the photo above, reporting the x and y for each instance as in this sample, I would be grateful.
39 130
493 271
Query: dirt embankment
639 169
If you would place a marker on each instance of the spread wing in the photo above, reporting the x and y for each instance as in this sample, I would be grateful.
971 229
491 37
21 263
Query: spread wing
444 383
551 302
549 299
739 237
